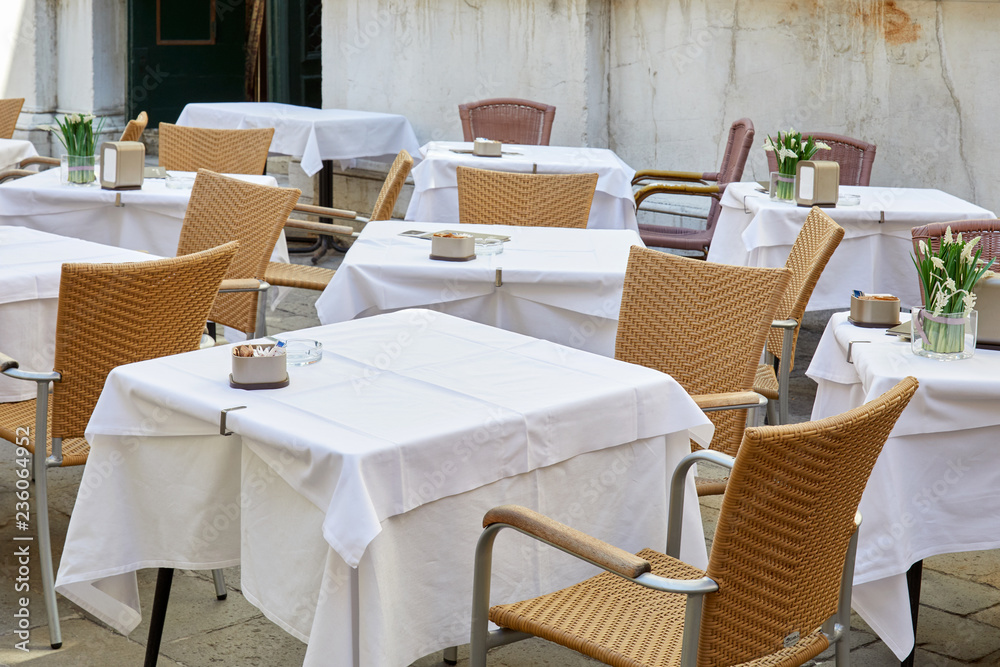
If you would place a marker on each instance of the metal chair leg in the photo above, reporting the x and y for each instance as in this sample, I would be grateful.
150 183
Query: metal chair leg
164 578
451 655
220 584
40 465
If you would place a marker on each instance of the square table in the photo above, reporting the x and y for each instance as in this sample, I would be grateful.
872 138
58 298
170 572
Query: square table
30 270
316 135
563 285
149 219
13 151
435 179
353 498
874 255
933 488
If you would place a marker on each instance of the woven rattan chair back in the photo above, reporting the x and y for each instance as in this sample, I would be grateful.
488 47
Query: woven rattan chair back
813 248
115 314
702 323
224 209
988 230
784 527
734 160
392 186
854 156
224 151
509 120
487 197
135 128
10 109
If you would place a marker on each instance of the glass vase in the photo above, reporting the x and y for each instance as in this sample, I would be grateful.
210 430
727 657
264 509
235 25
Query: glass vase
78 169
946 336
782 186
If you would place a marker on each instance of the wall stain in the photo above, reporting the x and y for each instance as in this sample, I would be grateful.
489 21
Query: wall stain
895 24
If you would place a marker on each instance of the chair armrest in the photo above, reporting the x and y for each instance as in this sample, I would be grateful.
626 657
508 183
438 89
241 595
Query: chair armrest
234 285
785 324
10 368
320 227
325 211
568 539
9 174
734 400
675 189
658 175
38 159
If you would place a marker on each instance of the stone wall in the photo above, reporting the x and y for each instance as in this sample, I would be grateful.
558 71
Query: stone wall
659 81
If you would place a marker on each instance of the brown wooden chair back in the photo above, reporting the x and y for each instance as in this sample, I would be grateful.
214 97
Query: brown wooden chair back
509 120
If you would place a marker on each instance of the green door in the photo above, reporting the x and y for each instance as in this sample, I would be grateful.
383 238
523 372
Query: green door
295 33
184 51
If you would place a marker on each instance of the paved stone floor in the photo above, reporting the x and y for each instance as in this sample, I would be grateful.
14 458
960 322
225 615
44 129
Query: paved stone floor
959 616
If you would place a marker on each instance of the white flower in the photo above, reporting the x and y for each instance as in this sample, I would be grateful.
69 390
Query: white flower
785 153
969 301
940 301
947 235
958 239
937 262
949 284
769 145
822 146
968 250
923 248
73 118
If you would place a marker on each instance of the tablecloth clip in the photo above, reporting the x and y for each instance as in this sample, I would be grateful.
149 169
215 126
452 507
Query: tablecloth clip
534 167
222 420
850 348
881 217
499 279
118 200
745 209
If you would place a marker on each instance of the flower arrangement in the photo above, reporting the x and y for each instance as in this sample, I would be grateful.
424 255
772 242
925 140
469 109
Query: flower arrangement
789 149
77 135
947 277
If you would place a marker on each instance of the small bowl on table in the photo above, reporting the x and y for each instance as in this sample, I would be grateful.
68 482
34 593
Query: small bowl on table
264 371
453 247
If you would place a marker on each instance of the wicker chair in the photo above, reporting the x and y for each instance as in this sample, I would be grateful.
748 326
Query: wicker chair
317 277
223 209
223 151
854 156
509 120
653 182
132 132
815 244
487 197
164 304
10 109
704 324
777 588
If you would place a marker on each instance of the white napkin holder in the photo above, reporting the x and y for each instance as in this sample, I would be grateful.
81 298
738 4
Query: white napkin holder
453 247
817 183
987 292
123 165
875 310
487 148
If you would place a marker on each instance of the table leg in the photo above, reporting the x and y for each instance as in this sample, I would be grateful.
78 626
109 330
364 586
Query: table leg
913 576
163 580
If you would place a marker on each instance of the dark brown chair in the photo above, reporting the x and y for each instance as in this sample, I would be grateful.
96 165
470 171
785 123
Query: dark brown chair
652 182
854 156
10 109
777 589
508 120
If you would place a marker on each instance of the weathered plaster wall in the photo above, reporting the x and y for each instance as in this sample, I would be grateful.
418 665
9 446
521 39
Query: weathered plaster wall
912 77
659 81
422 58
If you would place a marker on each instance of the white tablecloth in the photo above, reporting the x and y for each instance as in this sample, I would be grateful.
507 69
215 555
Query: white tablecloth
933 489
563 285
435 180
13 151
149 220
30 270
313 134
382 457
873 257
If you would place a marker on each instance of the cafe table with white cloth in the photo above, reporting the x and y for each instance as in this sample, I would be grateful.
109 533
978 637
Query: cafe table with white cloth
874 256
353 498
435 179
30 270
149 219
563 285
314 134
933 488
13 151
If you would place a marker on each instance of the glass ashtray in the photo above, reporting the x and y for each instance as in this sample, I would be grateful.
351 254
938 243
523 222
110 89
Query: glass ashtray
302 351
180 182
489 246
849 200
